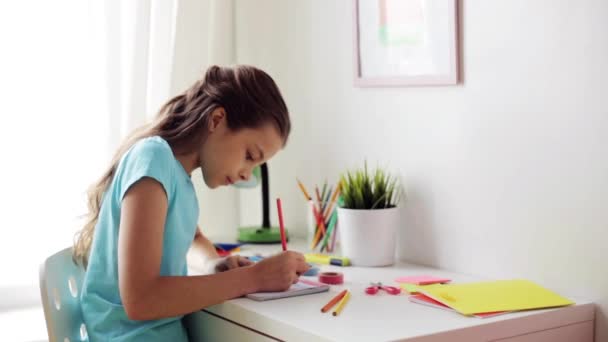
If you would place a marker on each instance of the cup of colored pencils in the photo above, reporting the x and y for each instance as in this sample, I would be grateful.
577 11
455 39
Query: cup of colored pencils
322 215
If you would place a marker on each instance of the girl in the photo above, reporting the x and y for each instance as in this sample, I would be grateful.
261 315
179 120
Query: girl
143 212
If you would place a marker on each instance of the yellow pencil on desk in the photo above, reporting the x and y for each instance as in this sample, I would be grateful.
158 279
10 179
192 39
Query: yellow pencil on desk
342 304
333 301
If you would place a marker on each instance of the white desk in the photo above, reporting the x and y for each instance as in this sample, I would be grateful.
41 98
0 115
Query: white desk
380 317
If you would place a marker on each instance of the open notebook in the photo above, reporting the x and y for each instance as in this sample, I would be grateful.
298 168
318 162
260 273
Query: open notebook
302 287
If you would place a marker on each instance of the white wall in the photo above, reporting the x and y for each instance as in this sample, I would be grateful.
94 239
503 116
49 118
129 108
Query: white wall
507 174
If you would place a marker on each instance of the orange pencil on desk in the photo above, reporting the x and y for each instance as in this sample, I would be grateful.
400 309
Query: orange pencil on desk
333 301
281 225
341 304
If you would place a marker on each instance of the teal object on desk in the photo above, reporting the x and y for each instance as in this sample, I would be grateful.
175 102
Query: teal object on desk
312 271
255 258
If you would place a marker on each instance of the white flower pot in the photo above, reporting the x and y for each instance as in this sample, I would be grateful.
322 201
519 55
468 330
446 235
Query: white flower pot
368 236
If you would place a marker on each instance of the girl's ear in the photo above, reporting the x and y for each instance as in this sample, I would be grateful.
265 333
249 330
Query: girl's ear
217 117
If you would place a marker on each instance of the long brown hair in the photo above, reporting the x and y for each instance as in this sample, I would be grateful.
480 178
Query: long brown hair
250 98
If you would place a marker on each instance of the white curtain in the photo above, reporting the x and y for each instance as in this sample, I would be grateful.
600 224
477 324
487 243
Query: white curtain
77 77
137 43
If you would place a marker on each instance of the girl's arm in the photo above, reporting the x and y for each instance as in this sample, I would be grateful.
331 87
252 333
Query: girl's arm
147 295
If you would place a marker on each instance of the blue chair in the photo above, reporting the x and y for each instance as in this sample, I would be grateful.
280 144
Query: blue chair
60 283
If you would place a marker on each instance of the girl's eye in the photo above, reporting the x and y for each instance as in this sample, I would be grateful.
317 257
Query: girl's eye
249 156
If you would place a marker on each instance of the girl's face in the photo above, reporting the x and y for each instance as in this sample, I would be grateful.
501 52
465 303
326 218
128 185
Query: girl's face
228 156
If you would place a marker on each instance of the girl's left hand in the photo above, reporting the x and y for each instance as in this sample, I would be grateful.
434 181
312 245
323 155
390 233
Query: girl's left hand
231 262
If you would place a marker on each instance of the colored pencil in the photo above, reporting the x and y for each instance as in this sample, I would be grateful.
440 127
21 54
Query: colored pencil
281 224
341 304
308 198
333 238
330 228
317 237
318 195
323 191
318 219
333 200
333 301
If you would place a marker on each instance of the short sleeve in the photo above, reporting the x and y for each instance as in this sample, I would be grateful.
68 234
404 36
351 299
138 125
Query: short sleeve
147 158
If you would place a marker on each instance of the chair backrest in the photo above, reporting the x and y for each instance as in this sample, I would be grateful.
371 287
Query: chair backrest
60 284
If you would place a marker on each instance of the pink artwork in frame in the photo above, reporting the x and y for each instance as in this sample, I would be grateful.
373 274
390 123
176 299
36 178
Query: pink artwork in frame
405 42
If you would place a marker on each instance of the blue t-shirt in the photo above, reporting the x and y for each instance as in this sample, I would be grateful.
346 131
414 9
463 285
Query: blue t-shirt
102 308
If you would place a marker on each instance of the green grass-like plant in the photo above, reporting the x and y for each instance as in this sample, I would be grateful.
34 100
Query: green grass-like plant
364 190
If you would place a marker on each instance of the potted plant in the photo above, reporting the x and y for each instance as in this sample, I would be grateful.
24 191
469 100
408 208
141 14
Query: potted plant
368 216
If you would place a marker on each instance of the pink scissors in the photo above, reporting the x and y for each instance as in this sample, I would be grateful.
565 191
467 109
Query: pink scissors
375 287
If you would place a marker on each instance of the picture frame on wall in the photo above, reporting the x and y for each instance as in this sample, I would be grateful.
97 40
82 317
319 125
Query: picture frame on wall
405 42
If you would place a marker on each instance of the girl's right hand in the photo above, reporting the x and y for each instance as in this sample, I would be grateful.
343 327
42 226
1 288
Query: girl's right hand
279 272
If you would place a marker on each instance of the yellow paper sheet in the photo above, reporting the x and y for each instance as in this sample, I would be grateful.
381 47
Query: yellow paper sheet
410 288
502 295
